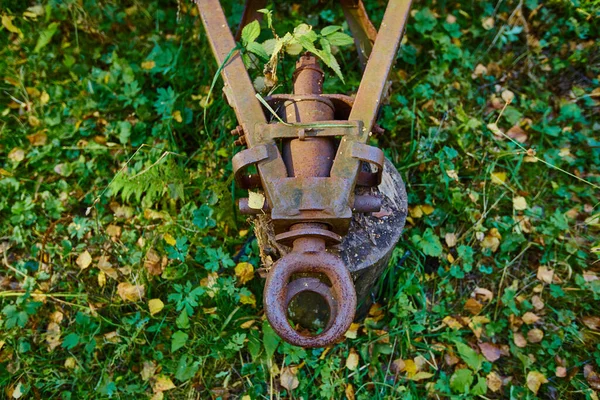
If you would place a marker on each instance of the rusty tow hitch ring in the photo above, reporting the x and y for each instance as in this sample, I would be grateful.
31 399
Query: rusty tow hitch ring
276 298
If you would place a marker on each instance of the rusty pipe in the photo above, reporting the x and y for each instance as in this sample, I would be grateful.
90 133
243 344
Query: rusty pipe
308 157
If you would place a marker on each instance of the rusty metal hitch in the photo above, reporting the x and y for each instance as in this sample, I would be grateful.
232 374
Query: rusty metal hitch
309 165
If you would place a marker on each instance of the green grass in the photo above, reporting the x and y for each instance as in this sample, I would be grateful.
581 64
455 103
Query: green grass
113 187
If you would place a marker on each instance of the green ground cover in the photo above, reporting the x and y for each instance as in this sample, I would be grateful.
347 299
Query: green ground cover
126 272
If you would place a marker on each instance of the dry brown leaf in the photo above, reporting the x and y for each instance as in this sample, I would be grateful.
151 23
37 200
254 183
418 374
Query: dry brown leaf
537 302
352 360
492 240
16 155
530 318
591 376
53 335
519 203
494 381
535 380
519 339
517 133
490 351
244 272
450 359
288 378
480 70
476 324
450 239
473 306
152 263
114 231
488 23
129 292
105 266
545 274
482 294
148 369
84 260
398 365
38 138
535 335
561 372
592 322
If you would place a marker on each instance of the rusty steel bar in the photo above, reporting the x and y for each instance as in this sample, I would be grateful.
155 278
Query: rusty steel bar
238 86
361 27
239 91
383 56
250 14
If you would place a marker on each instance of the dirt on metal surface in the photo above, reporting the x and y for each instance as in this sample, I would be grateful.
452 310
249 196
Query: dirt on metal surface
309 185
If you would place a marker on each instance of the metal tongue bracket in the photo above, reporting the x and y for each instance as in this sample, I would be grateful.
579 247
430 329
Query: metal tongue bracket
309 165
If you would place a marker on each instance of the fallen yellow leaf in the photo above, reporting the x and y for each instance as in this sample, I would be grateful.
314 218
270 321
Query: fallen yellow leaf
452 322
519 203
129 292
519 339
44 98
177 116
84 260
498 178
148 64
101 279
16 155
256 200
8 24
248 299
352 332
106 267
155 306
535 379
410 368
545 274
352 360
350 392
494 381
169 239
592 322
244 271
162 384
